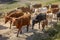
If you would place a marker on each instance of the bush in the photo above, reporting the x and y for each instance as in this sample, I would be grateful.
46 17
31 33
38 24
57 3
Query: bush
51 32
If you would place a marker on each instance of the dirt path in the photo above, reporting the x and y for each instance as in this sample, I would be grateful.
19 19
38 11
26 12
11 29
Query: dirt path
10 34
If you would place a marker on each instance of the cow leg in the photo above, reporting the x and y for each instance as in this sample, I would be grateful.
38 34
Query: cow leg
43 25
43 28
39 25
27 28
51 20
47 23
33 24
18 32
10 24
57 19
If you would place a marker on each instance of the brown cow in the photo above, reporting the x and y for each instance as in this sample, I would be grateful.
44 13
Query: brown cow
37 5
55 10
54 6
44 23
15 13
22 21
26 9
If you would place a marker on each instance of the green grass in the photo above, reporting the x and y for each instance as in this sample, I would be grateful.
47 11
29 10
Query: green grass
57 37
8 7
53 1
57 28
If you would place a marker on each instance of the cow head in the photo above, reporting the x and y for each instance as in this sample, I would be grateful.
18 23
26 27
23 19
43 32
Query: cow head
7 19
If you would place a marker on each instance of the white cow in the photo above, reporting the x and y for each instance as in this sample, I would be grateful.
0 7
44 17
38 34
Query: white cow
43 9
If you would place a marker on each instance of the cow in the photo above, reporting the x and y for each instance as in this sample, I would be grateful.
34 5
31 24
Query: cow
26 9
44 23
43 9
40 10
37 5
49 14
22 21
55 10
54 6
38 19
10 15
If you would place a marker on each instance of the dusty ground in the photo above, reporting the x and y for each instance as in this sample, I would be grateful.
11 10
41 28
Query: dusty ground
10 34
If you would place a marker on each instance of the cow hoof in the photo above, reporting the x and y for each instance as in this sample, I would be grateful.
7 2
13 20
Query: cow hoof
0 35
16 36
20 32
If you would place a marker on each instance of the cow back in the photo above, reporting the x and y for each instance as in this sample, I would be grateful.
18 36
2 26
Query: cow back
55 10
23 20
54 6
41 16
37 5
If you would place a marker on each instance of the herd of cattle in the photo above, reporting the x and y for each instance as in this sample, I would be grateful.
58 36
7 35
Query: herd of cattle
36 13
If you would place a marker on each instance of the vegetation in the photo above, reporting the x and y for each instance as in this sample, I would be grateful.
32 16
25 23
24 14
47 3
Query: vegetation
50 34
6 7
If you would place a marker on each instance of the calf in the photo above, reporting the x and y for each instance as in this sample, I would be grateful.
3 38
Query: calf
22 21
38 19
